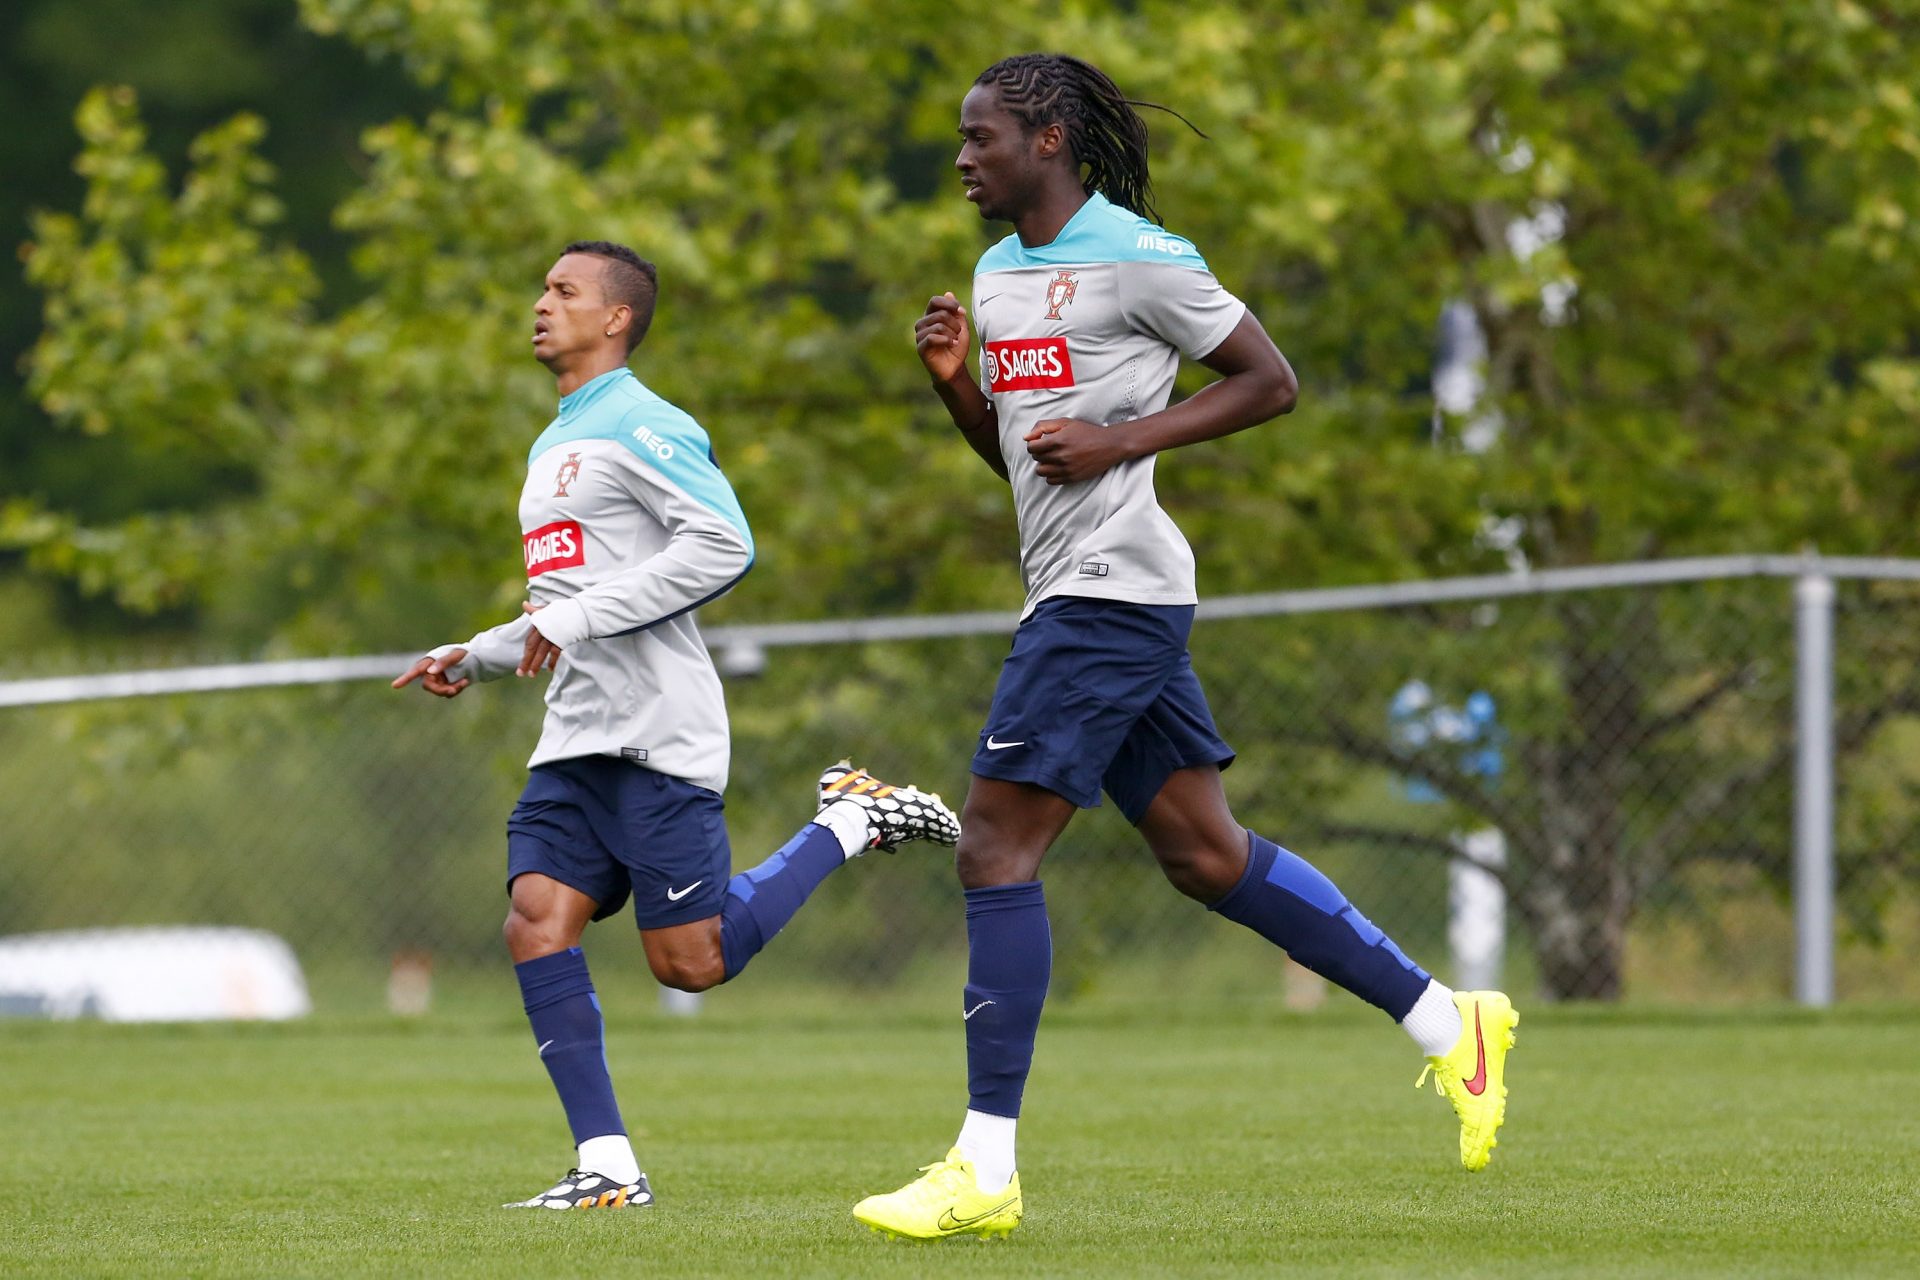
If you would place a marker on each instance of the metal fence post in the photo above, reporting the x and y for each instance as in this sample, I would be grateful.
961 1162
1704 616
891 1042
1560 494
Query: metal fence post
1813 790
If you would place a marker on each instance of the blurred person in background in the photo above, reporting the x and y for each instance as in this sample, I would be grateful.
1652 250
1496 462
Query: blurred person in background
1083 314
628 525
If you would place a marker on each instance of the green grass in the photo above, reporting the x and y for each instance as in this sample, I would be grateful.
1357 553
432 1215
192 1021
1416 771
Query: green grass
1160 1141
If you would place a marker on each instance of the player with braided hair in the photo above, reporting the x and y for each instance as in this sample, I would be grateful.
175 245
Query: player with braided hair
1104 133
1083 314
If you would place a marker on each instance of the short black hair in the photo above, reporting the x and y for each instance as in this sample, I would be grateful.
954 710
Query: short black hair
627 279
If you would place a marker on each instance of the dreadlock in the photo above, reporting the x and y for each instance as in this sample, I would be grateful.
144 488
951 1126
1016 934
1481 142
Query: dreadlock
1104 132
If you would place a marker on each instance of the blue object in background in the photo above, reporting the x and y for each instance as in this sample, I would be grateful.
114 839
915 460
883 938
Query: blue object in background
1416 722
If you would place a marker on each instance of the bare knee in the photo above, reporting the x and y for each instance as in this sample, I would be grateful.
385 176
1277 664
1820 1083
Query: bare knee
1205 872
981 861
686 957
544 916
686 973
529 936
1006 829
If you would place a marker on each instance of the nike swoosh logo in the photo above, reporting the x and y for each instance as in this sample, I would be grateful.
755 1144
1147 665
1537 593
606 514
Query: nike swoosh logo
1478 1084
950 1223
968 1015
1002 746
989 298
542 1050
675 896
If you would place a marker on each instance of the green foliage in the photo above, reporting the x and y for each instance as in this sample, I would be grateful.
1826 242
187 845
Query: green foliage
1684 229
1735 370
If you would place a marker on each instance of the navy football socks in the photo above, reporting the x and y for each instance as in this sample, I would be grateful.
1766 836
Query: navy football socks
1285 900
565 1013
1009 962
761 901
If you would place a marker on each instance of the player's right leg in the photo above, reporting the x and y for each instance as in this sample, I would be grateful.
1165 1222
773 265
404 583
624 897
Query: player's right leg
560 875
1005 831
1079 674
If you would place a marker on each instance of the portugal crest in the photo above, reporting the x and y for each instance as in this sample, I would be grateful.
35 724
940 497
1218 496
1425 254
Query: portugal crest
1060 291
568 473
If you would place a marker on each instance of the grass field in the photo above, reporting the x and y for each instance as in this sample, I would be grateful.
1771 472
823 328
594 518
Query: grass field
1159 1142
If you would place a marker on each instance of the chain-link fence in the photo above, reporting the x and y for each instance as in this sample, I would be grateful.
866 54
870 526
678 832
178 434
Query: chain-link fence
1621 758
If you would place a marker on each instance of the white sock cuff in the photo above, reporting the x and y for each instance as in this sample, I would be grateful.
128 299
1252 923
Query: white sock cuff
849 824
610 1155
986 1142
1434 1021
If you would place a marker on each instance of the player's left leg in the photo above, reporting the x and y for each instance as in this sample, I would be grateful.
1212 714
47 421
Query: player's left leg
700 927
1252 881
1211 858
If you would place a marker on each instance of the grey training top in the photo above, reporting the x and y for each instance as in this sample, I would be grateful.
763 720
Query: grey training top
627 526
1092 326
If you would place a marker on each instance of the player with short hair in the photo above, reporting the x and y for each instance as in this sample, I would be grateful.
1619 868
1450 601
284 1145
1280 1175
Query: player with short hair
1083 314
628 525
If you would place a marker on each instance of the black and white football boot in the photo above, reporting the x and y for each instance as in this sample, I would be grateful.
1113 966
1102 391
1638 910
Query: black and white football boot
896 814
583 1190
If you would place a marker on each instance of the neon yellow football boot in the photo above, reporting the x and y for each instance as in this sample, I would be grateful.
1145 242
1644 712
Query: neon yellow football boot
1473 1075
944 1201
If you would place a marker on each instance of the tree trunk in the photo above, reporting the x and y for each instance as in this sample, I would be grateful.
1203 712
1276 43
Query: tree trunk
1576 894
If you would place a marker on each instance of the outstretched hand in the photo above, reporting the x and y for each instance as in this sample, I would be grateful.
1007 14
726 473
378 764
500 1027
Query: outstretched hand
431 672
1069 450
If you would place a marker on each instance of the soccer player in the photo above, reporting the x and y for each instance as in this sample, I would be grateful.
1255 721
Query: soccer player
628 525
1083 314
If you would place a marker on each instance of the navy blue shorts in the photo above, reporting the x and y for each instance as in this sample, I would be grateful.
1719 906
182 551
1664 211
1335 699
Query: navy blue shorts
1100 694
609 828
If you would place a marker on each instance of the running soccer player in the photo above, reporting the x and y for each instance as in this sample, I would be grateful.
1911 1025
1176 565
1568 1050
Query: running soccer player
628 525
1083 314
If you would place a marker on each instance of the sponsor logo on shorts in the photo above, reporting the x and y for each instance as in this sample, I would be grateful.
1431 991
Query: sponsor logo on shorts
674 895
559 545
1028 364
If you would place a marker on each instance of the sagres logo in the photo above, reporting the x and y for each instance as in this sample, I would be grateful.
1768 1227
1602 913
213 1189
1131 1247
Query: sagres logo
559 545
1060 291
568 473
1025 364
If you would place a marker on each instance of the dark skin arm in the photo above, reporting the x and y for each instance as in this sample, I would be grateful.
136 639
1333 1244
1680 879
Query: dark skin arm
942 340
1256 384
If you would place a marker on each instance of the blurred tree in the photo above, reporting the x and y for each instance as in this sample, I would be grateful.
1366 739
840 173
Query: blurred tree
1683 228
195 65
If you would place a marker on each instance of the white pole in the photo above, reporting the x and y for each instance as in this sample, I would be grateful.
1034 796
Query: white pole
1477 911
1813 791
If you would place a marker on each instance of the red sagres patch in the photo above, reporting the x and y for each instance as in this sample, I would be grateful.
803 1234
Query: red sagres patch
1028 364
559 545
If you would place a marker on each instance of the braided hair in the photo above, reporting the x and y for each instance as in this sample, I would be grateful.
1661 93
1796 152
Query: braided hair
1104 132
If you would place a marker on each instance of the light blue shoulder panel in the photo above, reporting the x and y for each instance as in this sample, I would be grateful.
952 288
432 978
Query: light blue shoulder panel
663 436
1100 232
